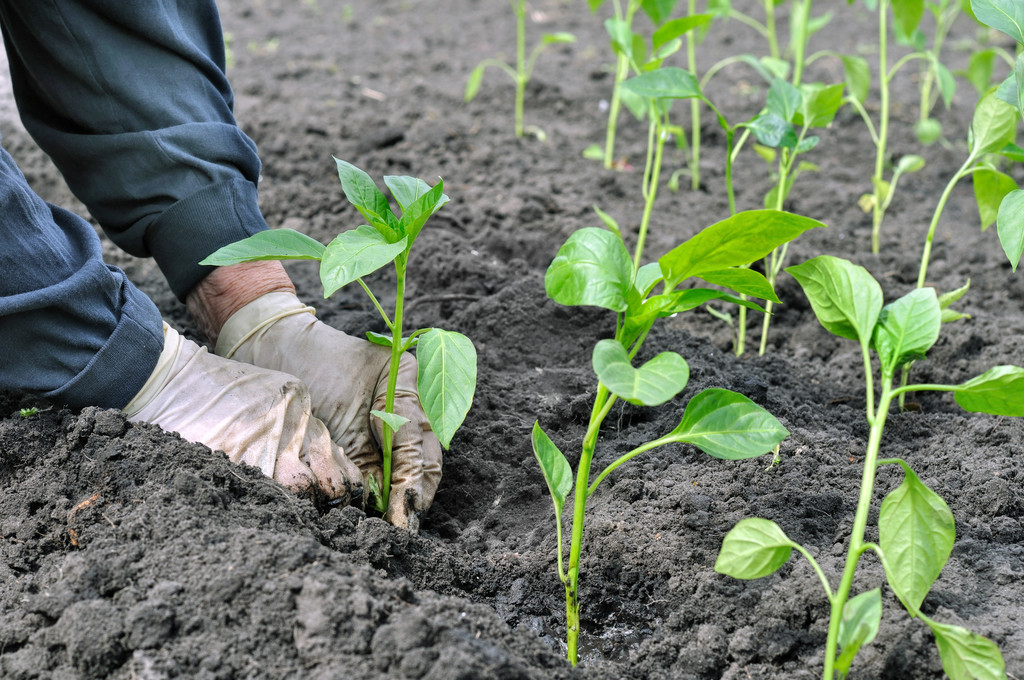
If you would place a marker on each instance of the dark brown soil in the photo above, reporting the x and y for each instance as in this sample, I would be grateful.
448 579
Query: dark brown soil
128 553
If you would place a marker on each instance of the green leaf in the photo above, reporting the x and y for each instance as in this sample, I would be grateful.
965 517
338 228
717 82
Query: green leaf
592 268
947 299
771 130
473 82
741 280
928 131
858 77
406 190
646 277
1010 226
1007 90
907 328
1003 15
735 241
728 425
990 187
1013 152
753 548
654 383
609 222
862 616
354 254
658 10
393 420
994 125
385 340
553 465
370 201
947 84
820 104
667 304
561 37
274 244
419 211
845 297
446 380
909 163
666 83
784 100
979 70
999 391
907 15
621 35
966 655
676 28
916 533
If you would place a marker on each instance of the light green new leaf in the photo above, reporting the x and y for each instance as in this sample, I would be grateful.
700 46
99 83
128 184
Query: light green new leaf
993 126
654 383
1010 226
845 297
592 268
916 533
999 391
354 254
907 328
820 104
393 420
370 201
609 221
862 615
646 277
274 244
784 100
555 467
476 77
407 190
446 381
675 28
858 77
947 84
990 187
726 424
418 211
735 241
909 163
753 548
1003 15
966 655
670 82
742 280
558 38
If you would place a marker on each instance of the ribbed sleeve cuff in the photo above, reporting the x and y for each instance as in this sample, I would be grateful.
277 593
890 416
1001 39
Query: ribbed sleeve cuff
196 226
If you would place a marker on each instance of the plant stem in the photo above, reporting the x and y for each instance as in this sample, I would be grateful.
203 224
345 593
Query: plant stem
651 187
773 265
621 71
521 75
878 211
691 59
389 399
926 255
769 26
802 12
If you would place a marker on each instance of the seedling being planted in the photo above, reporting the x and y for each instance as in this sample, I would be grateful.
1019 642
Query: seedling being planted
523 70
446 379
915 526
594 268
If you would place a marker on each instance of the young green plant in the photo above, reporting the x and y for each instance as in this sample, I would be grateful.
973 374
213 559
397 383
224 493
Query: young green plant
915 526
523 70
594 268
446 378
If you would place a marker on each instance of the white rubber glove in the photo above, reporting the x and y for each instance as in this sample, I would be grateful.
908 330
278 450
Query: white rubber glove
254 415
347 378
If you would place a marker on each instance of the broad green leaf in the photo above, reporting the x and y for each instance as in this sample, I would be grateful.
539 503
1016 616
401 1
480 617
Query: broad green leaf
1007 90
845 297
862 615
676 28
907 15
979 70
592 268
858 77
990 187
733 242
658 10
1013 152
753 548
994 125
1010 226
999 391
771 130
784 100
1003 15
473 82
907 328
407 190
393 420
820 104
728 425
446 380
385 340
742 280
666 83
561 37
916 533
362 193
419 211
654 383
647 276
621 36
807 144
274 244
553 465
354 254
966 655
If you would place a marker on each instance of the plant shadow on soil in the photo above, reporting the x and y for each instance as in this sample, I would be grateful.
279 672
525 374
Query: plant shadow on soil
126 552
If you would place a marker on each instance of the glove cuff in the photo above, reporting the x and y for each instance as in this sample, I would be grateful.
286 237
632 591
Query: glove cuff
254 317
161 375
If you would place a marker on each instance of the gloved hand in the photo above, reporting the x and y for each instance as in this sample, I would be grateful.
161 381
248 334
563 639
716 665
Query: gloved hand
256 416
347 378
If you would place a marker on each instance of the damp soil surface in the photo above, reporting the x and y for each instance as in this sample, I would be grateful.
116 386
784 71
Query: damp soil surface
126 552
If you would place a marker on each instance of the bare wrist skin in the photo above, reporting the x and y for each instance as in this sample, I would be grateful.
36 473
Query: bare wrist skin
227 289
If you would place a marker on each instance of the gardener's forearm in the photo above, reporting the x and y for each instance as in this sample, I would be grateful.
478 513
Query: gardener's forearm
228 289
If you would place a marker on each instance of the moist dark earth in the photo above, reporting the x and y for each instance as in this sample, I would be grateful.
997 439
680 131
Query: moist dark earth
129 553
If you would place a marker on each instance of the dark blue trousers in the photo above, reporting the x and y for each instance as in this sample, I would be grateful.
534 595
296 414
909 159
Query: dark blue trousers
131 102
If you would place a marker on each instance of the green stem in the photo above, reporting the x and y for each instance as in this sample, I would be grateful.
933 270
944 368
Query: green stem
926 255
803 15
769 29
650 193
877 211
691 59
389 399
521 75
621 72
773 265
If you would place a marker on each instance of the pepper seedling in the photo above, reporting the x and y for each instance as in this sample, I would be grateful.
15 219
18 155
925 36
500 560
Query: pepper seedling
915 526
446 378
523 70
594 268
